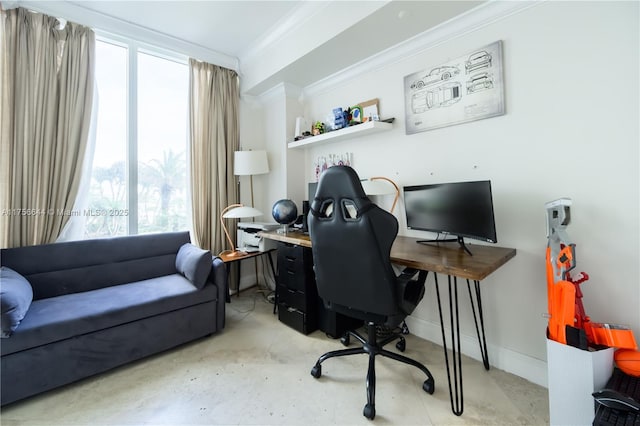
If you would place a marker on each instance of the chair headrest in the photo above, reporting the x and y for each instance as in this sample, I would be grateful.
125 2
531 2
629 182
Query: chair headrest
339 183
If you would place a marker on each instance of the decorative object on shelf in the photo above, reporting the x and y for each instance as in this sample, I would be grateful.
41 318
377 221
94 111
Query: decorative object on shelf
236 211
346 114
285 212
370 110
338 119
375 186
249 163
468 88
356 115
301 124
318 128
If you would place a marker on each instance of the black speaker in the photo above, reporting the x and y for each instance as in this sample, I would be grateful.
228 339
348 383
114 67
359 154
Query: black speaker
305 213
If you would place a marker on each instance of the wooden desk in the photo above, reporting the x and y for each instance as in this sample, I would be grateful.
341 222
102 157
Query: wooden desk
449 259
444 258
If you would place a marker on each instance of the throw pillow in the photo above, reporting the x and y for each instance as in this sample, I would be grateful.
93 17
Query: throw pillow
194 263
16 295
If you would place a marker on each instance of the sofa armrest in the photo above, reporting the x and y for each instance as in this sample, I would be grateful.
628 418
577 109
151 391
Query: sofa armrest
218 276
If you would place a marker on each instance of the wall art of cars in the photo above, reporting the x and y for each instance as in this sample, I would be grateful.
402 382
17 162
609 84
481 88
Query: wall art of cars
468 88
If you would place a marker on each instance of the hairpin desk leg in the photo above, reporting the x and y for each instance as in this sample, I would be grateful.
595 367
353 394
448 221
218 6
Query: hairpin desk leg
479 331
456 392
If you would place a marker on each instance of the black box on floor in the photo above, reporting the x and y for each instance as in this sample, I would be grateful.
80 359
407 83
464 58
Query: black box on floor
335 324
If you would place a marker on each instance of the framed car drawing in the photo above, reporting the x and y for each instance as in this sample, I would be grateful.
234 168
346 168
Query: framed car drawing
468 88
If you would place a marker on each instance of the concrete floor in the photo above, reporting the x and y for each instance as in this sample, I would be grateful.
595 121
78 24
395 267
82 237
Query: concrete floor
256 372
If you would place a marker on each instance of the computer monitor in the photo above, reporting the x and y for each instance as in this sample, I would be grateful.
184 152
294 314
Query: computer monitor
458 209
313 187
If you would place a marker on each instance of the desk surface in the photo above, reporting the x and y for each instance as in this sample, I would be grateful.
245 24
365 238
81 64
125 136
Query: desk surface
444 258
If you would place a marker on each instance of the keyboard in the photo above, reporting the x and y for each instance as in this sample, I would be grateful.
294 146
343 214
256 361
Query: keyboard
627 385
606 416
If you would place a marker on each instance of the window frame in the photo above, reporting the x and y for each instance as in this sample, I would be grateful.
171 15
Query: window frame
131 160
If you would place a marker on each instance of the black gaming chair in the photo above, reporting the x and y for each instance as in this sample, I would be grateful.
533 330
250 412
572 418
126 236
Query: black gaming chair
351 240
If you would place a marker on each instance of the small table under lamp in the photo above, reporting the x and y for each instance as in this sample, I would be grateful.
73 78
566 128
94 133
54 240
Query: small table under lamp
239 211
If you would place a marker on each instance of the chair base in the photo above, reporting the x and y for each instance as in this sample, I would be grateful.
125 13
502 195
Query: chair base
372 347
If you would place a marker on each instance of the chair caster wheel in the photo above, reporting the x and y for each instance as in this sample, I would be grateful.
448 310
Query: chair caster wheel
429 386
346 339
401 345
316 371
369 411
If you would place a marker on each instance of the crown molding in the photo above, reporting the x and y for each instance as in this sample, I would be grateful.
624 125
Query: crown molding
107 24
467 22
277 92
289 23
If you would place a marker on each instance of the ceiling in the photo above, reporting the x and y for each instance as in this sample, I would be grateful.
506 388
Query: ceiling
228 27
234 34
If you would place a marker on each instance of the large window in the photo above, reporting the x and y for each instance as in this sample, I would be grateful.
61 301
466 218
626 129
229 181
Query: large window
139 176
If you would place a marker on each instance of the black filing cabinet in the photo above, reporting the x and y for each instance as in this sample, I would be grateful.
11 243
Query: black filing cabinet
297 293
298 303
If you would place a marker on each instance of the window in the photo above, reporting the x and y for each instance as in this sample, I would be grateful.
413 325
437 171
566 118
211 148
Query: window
140 167
108 190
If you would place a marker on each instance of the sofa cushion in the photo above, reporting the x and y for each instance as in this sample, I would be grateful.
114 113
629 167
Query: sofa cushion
75 266
194 263
15 298
71 315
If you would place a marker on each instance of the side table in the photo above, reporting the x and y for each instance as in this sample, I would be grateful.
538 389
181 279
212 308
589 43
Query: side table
229 258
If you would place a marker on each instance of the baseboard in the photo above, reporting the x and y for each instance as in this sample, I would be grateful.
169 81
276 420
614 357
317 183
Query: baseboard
521 365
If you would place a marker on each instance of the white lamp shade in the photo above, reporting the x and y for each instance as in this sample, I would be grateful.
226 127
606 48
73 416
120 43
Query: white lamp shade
250 163
241 212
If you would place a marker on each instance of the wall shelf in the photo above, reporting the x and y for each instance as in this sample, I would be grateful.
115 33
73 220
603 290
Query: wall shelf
368 128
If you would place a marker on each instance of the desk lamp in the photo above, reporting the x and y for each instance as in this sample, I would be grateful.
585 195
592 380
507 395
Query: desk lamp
236 211
249 163
374 186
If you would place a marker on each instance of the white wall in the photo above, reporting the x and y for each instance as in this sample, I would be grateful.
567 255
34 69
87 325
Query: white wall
570 130
267 123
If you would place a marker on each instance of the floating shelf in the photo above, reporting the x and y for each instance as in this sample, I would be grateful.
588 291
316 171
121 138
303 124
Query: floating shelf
368 128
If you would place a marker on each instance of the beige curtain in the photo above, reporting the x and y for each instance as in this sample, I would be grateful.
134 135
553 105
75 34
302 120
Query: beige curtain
214 130
47 94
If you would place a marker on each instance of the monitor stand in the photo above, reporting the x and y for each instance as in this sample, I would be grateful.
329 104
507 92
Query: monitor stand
460 241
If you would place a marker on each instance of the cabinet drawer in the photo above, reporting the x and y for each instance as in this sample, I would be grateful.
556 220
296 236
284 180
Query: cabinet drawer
291 251
295 268
295 319
295 264
292 279
292 298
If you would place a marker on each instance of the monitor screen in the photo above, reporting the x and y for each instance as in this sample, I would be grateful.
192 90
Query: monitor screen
461 209
313 186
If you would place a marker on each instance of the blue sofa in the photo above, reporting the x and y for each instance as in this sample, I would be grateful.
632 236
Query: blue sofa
98 304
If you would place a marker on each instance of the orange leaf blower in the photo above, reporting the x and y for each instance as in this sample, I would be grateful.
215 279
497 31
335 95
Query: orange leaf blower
568 322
